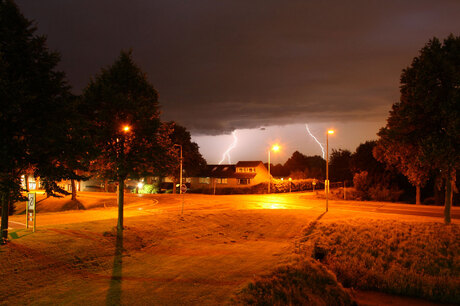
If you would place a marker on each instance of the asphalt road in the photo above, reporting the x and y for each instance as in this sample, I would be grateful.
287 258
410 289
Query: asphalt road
151 204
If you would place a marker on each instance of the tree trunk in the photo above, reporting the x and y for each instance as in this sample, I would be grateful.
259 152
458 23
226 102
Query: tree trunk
448 200
5 211
121 187
74 189
417 194
26 181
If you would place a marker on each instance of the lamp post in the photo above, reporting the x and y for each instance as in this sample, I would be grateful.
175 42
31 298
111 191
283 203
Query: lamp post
327 168
275 148
121 177
180 175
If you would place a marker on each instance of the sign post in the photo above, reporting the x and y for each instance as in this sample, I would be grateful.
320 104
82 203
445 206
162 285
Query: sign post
183 189
31 210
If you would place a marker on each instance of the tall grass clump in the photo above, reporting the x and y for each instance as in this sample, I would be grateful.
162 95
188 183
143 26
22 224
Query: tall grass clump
409 259
307 283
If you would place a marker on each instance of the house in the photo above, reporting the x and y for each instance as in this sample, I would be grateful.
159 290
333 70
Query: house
243 174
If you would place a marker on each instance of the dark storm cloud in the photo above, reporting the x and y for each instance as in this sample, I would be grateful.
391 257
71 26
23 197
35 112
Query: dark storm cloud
221 65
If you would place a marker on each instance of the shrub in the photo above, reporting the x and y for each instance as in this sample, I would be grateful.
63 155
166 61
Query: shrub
361 184
377 192
148 188
308 283
380 193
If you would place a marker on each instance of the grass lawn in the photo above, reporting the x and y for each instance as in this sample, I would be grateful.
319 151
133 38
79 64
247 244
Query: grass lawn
226 254
404 258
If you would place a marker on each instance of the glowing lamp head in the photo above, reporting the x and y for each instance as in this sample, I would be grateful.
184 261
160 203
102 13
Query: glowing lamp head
126 128
140 185
330 131
290 179
275 148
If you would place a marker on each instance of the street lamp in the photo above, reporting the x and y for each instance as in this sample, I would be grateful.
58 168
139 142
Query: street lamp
275 148
327 168
121 176
180 175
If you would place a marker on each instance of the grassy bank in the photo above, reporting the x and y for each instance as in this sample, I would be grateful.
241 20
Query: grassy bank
409 259
307 283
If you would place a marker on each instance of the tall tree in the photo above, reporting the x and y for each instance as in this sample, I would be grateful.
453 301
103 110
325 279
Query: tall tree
121 108
407 160
363 160
193 161
340 165
297 162
426 121
33 97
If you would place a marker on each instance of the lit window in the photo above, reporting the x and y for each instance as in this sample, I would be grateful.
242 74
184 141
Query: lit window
203 180
221 180
244 181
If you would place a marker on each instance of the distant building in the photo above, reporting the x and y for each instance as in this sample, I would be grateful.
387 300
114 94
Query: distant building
243 174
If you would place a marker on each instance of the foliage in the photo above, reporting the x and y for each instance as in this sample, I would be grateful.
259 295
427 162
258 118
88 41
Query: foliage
34 107
339 166
193 162
362 185
378 177
121 95
311 166
298 175
423 129
148 188
364 160
307 283
375 192
120 109
410 259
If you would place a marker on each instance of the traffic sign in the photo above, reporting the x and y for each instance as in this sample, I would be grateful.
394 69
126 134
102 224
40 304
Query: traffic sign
31 201
31 209
183 188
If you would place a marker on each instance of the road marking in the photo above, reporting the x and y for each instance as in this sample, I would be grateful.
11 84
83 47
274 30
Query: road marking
17 223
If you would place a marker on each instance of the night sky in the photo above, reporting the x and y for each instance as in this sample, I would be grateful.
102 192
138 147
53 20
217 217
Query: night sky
263 68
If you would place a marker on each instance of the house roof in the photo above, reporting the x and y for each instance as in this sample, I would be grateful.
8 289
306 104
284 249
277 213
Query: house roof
249 163
219 171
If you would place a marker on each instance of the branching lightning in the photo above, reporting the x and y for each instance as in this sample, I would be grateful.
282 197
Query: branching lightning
232 146
308 130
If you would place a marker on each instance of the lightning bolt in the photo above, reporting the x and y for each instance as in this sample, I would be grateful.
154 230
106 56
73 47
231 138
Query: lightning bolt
308 130
232 146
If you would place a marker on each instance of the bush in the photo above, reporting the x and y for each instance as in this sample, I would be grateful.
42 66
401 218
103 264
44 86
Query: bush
380 193
377 192
308 283
361 184
148 188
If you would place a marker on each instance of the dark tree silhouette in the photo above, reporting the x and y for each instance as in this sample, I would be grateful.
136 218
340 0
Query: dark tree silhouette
193 162
339 166
34 98
121 96
425 124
